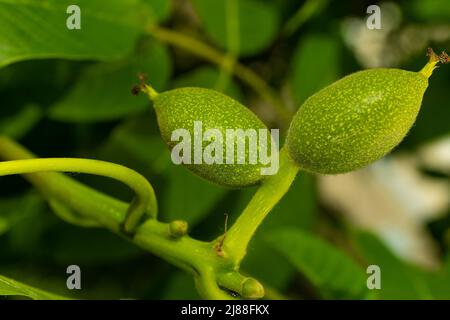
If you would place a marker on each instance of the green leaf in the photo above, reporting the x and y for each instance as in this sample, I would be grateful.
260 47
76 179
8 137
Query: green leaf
432 10
30 221
15 209
10 287
397 279
180 286
297 208
37 29
208 77
315 64
400 280
187 196
103 91
245 27
17 125
137 143
90 247
4 225
329 269
433 120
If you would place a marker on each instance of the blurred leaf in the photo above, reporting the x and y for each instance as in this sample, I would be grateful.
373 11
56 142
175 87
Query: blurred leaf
140 146
187 196
35 82
432 121
26 235
256 22
399 280
10 287
180 286
27 75
433 10
4 225
103 91
297 208
315 65
90 247
137 143
325 266
160 9
16 126
14 209
37 29
438 284
208 77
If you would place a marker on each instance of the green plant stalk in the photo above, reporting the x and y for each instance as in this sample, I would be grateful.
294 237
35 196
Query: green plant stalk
308 10
272 189
233 43
196 257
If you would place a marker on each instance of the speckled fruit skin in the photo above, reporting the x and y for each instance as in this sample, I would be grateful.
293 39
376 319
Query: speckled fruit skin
356 120
179 108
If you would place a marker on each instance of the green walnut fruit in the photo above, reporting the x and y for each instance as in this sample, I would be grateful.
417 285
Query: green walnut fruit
182 108
358 119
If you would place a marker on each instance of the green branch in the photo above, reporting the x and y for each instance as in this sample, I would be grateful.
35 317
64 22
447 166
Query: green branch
270 192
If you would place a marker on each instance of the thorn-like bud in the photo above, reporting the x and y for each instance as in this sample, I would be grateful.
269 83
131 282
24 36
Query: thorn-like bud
252 289
178 228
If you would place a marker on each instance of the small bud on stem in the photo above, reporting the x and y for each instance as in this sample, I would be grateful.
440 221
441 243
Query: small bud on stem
252 289
178 228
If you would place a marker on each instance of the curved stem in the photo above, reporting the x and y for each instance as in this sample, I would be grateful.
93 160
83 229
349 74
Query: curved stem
145 201
225 62
268 195
196 257
206 284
